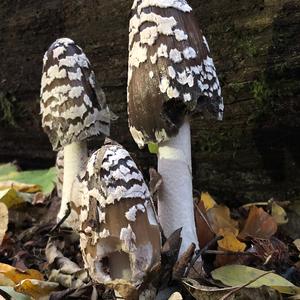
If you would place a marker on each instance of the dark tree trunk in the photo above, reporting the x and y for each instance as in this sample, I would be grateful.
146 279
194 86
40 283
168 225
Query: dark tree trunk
253 155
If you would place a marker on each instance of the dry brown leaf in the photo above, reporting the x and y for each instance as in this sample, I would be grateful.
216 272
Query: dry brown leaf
183 261
4 221
259 224
220 220
204 232
17 276
36 289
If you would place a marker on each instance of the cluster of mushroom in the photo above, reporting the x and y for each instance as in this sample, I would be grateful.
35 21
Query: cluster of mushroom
170 75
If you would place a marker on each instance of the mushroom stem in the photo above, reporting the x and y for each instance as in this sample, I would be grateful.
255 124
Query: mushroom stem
176 208
75 156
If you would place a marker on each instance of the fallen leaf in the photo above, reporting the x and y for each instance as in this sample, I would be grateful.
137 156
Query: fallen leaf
10 197
16 276
43 178
279 214
201 292
5 281
8 290
259 224
4 221
8 170
297 243
20 187
231 243
36 289
207 200
176 296
238 275
182 262
220 220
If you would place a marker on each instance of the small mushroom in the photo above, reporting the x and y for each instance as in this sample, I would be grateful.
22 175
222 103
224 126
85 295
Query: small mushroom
170 75
119 235
72 107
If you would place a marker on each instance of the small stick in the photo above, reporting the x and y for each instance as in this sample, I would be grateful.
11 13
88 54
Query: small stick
67 213
220 252
200 252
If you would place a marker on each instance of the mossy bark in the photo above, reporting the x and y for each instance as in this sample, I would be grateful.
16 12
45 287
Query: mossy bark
254 154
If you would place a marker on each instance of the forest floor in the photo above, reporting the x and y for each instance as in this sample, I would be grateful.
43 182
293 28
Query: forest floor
248 252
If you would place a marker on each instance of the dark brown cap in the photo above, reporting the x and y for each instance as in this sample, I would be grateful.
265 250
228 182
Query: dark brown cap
170 73
72 109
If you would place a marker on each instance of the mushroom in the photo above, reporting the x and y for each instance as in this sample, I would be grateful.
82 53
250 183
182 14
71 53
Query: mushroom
73 109
59 166
119 235
170 75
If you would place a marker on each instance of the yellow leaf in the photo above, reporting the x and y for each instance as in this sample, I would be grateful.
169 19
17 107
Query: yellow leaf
279 214
237 275
16 275
220 220
20 187
10 197
5 281
4 221
36 289
231 243
207 200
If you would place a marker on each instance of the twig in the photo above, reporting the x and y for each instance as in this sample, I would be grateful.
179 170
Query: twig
67 213
220 252
244 285
199 253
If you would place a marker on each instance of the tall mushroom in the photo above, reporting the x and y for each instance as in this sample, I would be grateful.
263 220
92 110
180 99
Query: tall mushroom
72 108
119 236
170 75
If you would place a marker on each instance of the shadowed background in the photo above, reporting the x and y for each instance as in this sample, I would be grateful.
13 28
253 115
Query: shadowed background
254 154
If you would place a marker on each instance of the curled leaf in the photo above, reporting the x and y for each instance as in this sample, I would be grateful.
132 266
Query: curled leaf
16 275
36 289
220 220
259 224
279 214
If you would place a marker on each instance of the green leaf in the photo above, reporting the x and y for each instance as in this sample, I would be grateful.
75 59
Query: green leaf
237 275
7 170
153 148
11 292
44 178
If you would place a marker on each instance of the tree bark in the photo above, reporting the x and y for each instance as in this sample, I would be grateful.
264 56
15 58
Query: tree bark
254 154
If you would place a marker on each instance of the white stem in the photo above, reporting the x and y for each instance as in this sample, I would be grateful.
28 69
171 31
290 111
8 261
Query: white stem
175 206
75 156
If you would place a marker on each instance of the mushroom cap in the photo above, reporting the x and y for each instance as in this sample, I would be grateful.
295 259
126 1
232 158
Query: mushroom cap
170 71
120 238
73 107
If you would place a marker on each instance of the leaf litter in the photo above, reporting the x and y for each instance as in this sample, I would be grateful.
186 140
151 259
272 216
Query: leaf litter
246 253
